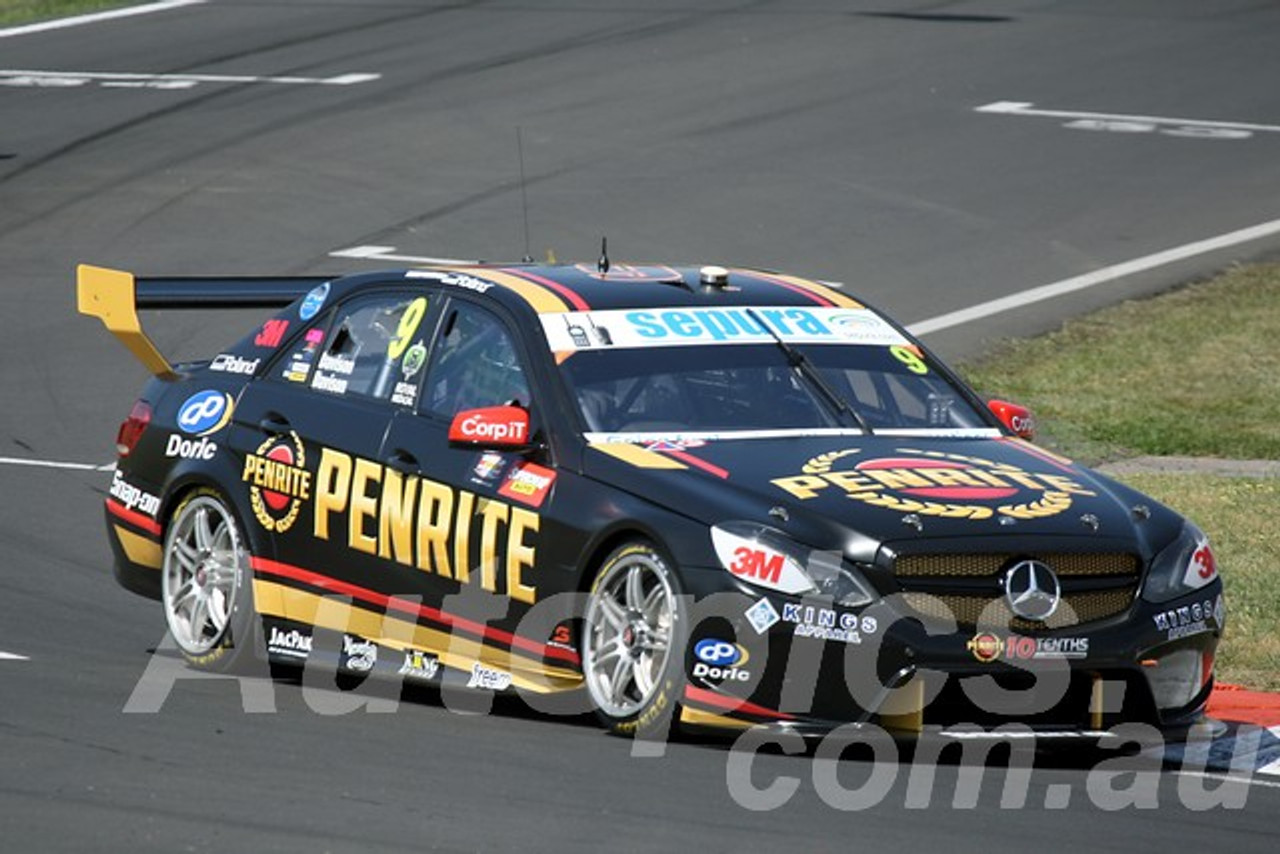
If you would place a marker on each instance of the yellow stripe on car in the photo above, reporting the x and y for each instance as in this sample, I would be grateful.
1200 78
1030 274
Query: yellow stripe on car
455 651
637 456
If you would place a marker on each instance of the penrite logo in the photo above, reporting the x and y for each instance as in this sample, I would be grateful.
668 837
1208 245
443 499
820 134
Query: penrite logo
934 483
278 481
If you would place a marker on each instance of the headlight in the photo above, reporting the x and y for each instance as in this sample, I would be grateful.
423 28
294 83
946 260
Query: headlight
1187 564
768 558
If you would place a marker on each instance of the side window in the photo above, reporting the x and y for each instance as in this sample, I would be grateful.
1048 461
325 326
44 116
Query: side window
474 364
375 348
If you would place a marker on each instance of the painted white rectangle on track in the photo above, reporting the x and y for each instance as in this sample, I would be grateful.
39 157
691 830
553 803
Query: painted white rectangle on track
129 80
54 464
1133 123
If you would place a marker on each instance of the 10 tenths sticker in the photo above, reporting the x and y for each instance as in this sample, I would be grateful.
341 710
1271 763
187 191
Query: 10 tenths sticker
933 483
278 481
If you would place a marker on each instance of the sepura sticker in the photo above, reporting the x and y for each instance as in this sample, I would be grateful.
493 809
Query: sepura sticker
278 481
674 327
933 483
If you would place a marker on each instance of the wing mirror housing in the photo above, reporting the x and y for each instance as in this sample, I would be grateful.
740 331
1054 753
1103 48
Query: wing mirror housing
497 427
1017 418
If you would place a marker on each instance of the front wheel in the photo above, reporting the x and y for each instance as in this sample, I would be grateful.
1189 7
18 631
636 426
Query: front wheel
633 641
205 582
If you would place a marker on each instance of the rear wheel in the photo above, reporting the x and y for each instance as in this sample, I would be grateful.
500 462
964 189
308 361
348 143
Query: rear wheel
205 581
633 644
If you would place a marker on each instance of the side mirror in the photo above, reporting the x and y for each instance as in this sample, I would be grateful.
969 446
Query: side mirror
1017 418
499 427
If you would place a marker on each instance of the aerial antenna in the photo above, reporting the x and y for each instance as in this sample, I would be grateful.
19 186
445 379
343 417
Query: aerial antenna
603 264
524 197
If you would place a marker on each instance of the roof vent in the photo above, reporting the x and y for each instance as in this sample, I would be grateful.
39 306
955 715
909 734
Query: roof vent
716 277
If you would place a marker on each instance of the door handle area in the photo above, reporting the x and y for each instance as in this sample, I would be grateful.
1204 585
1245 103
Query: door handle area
402 461
275 424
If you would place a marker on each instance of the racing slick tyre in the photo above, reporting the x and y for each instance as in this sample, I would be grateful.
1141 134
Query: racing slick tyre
633 644
206 584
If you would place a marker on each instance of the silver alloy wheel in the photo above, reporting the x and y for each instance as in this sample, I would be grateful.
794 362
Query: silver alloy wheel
205 560
629 629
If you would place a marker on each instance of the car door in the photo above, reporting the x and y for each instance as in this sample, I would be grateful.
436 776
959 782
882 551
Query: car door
310 430
478 514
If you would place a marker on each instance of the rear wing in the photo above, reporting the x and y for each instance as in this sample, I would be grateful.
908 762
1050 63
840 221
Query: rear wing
114 297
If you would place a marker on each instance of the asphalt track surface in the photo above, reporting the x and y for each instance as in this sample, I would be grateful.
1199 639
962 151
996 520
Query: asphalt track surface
835 139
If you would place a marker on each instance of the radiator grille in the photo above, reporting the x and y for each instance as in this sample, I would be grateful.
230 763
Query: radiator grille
1066 565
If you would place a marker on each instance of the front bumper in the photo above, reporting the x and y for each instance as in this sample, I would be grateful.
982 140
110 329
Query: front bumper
812 667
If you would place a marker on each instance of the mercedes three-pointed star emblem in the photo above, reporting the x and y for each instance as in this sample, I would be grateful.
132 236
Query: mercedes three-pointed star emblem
1032 590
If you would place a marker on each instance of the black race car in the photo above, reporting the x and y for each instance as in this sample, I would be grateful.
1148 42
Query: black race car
718 497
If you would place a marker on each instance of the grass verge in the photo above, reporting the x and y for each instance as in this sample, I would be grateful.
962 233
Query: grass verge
1239 516
1192 372
13 12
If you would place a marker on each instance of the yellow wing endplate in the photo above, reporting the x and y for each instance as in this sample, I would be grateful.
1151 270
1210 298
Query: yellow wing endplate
110 296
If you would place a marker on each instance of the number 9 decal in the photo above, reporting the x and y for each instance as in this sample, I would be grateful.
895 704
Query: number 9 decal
408 325
910 358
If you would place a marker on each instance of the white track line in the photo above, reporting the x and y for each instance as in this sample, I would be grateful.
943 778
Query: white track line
386 253
12 656
94 17
119 77
1230 778
1097 277
1022 108
54 464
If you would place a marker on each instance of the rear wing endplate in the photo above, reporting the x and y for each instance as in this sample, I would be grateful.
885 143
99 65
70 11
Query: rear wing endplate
114 297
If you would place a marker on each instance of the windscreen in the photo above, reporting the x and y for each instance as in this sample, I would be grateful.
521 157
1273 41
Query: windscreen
749 369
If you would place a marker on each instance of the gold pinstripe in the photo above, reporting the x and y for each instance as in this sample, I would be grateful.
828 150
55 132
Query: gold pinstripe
456 651
543 300
637 456
820 289
139 549
697 717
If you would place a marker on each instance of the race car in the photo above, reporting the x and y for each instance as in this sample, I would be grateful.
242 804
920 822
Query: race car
698 496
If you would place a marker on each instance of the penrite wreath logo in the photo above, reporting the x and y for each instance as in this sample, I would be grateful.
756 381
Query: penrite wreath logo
278 481
933 483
